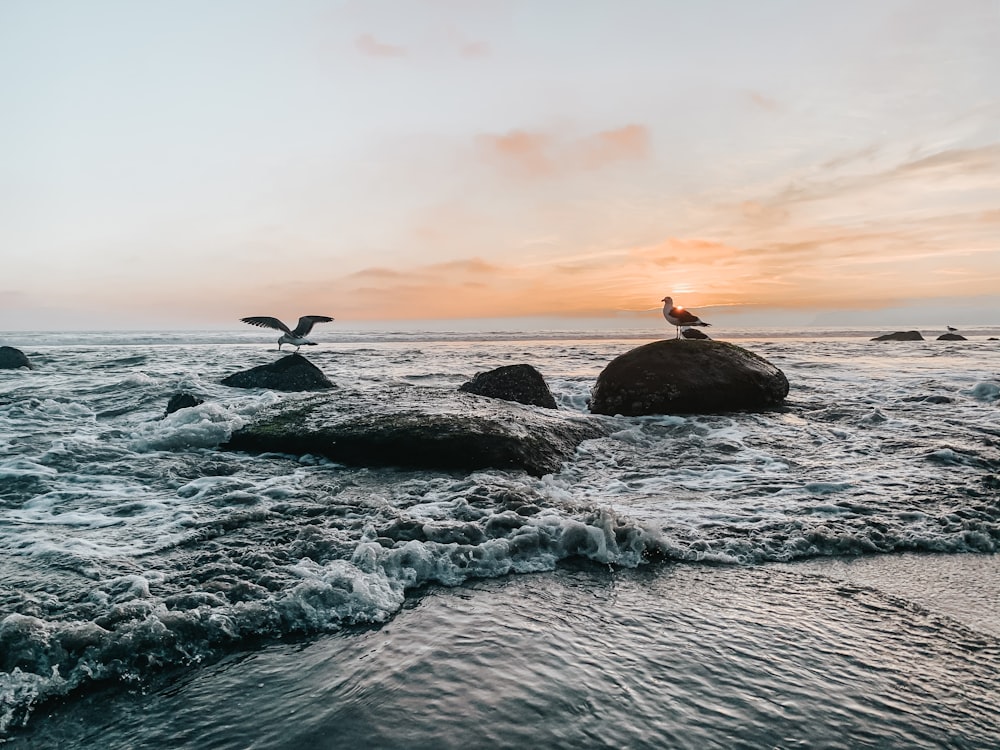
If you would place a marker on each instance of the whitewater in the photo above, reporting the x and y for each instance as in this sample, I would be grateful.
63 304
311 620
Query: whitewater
820 575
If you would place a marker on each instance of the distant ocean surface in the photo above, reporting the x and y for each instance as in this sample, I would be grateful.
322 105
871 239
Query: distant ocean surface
821 576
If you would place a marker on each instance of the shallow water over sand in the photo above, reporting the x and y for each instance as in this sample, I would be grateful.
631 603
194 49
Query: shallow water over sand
680 656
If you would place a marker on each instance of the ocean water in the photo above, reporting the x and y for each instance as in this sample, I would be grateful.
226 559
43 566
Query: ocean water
819 576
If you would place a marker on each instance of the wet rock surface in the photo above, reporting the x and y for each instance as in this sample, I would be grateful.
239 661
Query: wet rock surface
900 336
694 333
291 373
521 383
181 401
421 428
677 376
12 359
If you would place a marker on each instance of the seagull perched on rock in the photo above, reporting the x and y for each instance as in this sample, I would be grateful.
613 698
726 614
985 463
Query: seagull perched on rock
296 336
678 316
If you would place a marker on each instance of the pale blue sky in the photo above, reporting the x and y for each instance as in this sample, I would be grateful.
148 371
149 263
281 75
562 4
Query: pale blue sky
189 163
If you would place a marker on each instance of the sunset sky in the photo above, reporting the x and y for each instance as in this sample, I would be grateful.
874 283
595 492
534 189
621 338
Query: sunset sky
187 163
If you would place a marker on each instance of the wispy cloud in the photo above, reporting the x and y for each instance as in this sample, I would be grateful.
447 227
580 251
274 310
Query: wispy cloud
763 102
956 161
864 155
474 50
378 273
960 169
630 142
467 265
528 153
763 214
448 43
536 154
369 45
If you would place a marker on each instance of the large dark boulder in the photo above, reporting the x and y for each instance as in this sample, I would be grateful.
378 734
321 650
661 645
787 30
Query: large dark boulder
900 336
291 373
676 376
951 337
12 359
413 427
521 383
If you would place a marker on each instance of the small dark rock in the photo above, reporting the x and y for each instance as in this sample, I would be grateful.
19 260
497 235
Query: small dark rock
291 373
694 333
900 336
12 359
521 383
687 377
951 337
181 401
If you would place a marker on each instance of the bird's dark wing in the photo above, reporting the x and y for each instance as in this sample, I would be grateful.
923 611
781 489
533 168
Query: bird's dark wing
683 315
306 323
267 322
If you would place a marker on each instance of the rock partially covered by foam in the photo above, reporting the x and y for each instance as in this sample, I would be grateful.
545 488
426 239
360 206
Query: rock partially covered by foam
900 336
521 383
677 376
180 401
291 373
414 427
12 359
951 337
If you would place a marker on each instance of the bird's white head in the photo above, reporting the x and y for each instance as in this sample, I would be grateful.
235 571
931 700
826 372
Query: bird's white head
668 301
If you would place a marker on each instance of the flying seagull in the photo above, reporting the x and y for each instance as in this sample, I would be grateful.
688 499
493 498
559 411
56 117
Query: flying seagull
678 316
296 336
952 329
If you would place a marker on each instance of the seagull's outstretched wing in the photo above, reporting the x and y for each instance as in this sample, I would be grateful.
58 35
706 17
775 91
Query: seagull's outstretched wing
306 323
268 322
684 316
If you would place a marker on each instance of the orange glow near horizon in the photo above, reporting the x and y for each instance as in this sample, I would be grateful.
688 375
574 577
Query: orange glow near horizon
630 281
548 243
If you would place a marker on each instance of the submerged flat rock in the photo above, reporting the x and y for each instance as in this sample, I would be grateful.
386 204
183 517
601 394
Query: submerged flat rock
417 427
677 376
